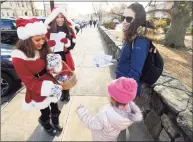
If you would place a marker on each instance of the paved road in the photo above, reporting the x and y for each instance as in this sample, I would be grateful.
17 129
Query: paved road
20 125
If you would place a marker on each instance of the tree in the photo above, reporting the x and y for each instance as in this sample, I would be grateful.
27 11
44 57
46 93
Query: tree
181 17
98 9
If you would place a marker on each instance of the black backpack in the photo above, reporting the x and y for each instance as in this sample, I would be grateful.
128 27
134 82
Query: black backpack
153 66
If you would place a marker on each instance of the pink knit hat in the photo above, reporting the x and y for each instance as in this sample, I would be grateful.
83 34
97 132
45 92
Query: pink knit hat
123 90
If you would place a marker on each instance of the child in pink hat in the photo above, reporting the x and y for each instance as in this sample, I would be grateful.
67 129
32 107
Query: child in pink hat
118 115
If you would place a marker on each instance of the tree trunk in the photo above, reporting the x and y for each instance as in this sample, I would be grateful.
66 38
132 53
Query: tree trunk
175 35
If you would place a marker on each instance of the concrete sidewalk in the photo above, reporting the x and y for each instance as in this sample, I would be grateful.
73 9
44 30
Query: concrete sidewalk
20 125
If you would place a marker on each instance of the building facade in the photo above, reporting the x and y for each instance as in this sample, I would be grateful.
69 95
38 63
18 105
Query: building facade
17 8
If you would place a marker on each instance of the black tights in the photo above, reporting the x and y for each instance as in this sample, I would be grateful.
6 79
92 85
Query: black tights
45 113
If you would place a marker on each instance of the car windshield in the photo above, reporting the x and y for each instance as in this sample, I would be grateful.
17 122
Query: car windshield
7 24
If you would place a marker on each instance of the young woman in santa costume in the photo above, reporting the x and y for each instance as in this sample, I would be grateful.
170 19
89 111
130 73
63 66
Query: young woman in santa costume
58 22
32 61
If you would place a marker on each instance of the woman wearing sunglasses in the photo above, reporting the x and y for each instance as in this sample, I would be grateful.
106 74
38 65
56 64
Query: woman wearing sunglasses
135 48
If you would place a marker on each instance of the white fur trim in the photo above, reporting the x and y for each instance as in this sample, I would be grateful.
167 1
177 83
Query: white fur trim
74 40
41 105
31 29
19 54
46 88
68 44
54 14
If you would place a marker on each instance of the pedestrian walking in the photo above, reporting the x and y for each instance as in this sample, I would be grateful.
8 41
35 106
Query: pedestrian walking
58 21
90 22
94 23
120 113
31 61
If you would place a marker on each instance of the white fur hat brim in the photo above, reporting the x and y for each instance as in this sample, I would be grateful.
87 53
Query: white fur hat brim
54 14
31 29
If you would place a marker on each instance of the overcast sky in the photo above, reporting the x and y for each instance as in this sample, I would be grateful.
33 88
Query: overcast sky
75 8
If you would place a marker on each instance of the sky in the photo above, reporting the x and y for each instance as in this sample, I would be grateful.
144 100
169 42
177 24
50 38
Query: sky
83 8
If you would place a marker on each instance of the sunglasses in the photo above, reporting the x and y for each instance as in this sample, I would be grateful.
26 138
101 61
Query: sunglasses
128 18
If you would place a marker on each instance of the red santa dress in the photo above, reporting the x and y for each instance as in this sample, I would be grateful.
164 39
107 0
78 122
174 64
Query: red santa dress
39 91
68 42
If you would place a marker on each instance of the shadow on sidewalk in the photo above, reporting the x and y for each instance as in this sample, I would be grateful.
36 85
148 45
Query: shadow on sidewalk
39 134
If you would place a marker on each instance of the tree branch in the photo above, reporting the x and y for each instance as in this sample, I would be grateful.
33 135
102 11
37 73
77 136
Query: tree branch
161 10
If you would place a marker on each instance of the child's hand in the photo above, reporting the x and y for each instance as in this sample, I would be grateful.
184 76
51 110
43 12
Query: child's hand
80 106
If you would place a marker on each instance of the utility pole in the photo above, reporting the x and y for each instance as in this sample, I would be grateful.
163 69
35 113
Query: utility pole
51 4
44 9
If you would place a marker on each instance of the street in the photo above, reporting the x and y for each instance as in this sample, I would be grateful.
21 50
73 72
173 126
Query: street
5 100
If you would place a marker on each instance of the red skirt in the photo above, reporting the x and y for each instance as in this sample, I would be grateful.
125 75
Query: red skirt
70 61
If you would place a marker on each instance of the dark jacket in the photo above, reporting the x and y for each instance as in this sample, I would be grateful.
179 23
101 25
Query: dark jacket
131 61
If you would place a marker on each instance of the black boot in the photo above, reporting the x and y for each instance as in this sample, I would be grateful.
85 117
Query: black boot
65 96
48 127
55 121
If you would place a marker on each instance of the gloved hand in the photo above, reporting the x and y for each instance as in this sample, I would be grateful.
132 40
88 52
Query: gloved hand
51 43
66 42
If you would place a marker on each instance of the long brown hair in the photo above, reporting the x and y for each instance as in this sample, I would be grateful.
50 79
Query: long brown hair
27 46
53 27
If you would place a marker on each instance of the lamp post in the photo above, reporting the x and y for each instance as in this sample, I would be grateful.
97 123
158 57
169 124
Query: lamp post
51 4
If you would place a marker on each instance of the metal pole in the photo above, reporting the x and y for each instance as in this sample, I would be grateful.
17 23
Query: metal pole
44 9
51 4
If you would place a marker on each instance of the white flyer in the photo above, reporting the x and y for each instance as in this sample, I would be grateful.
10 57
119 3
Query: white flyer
103 60
57 37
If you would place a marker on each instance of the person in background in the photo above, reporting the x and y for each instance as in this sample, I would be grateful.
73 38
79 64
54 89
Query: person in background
58 22
120 113
90 22
30 59
94 23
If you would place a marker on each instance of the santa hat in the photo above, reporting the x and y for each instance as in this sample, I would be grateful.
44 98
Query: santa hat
54 14
27 28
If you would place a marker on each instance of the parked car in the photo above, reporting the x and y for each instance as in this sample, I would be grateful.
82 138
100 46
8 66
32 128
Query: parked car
8 73
8 31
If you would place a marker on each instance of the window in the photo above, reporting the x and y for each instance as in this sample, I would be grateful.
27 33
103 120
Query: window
10 3
22 4
25 13
7 14
6 24
2 14
13 15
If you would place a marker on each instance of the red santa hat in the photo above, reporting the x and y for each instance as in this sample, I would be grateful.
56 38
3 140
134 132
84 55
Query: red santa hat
27 28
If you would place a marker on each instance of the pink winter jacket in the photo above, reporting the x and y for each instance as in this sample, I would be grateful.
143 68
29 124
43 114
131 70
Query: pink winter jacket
110 121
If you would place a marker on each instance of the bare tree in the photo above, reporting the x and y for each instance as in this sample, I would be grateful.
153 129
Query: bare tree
181 17
98 10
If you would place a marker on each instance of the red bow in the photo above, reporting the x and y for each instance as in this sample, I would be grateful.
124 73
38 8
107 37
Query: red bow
51 43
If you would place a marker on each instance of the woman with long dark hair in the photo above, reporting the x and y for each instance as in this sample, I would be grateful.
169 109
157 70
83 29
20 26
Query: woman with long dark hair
31 59
58 22
135 47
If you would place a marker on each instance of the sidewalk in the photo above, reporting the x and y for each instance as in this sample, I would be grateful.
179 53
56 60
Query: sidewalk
20 125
